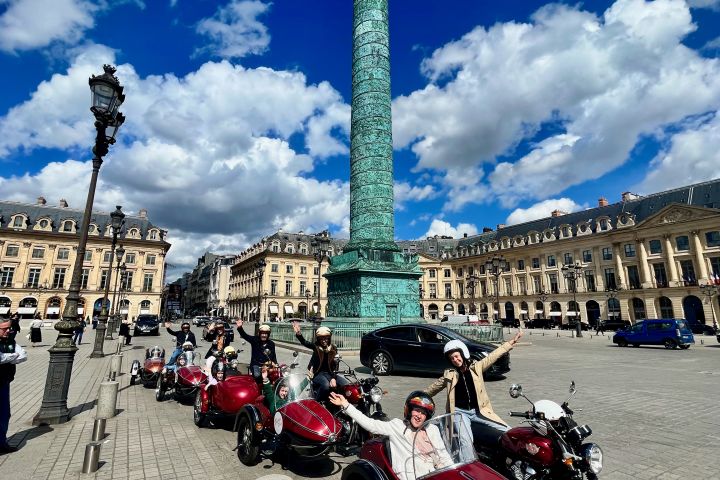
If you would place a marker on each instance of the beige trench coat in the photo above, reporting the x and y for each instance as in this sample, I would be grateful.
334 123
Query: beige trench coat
450 379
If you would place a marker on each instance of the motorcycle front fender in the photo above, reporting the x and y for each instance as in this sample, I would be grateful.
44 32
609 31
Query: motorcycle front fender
135 368
204 400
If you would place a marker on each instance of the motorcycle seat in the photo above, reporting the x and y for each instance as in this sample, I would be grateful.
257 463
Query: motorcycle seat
486 436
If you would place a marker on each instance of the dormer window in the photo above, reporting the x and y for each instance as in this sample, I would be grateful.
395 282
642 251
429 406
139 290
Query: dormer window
565 231
153 235
18 221
603 224
67 226
133 233
549 235
289 248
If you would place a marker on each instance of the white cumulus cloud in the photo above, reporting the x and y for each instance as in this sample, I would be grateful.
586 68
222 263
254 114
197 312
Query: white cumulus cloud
543 209
441 227
235 31
405 192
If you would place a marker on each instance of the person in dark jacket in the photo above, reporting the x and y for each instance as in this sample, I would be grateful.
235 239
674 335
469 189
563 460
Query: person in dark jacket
125 331
10 355
219 337
182 336
322 363
263 349
15 325
79 330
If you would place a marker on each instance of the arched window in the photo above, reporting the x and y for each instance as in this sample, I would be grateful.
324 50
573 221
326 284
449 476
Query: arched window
614 309
666 307
67 226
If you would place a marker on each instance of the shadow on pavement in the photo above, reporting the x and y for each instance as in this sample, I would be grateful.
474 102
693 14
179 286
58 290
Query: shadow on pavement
78 409
21 438
321 467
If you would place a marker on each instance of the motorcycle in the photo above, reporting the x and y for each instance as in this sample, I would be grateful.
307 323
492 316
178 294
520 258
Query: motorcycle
184 378
225 397
550 446
364 394
150 369
302 425
442 454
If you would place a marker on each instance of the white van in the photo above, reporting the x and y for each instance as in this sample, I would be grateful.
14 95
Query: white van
459 319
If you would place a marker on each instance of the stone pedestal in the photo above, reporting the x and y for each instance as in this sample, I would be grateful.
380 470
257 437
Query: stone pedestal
107 400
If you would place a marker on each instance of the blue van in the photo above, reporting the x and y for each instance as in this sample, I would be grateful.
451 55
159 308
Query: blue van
670 332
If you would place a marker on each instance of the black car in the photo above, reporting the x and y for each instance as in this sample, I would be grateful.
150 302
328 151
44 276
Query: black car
701 328
614 324
510 322
572 325
147 325
419 347
540 323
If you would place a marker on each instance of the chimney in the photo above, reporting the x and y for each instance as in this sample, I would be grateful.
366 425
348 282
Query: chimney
558 213
142 213
464 235
487 229
41 201
500 225
602 202
627 196
63 203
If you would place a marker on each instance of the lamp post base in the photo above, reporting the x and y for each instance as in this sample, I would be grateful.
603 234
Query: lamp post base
99 339
578 329
54 409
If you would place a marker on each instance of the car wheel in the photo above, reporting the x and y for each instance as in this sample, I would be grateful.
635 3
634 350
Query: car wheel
636 345
132 379
684 347
198 416
248 446
622 343
159 390
670 344
381 363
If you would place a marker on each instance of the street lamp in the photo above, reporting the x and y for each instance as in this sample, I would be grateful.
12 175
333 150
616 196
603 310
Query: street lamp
495 266
710 290
107 96
121 291
572 272
307 303
421 293
119 254
117 220
264 306
472 282
321 243
259 269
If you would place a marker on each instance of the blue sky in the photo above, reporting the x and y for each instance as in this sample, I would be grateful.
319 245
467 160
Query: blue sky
238 111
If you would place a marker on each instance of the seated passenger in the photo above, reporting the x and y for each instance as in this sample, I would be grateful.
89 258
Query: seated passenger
279 395
181 360
429 449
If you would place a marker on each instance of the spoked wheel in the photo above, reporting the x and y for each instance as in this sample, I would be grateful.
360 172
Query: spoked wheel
159 390
670 344
248 447
381 363
198 416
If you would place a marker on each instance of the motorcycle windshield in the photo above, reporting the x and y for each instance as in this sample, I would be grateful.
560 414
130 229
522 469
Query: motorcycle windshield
443 442
293 387
156 352
189 358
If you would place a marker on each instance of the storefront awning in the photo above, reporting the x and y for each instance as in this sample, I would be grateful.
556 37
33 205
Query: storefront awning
53 310
571 314
613 314
26 310
273 308
124 310
289 309
556 314
81 310
523 311
253 310
4 310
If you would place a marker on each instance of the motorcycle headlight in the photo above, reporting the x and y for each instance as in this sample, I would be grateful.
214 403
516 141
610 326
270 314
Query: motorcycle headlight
376 394
593 456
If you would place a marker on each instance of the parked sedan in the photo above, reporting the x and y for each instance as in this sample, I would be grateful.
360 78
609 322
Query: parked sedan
147 325
419 347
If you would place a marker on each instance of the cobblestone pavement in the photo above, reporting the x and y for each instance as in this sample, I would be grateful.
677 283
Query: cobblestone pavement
652 411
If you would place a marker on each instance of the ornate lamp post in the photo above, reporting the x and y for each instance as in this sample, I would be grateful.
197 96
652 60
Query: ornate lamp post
259 270
710 290
107 96
264 305
117 220
610 293
307 303
572 272
119 254
472 282
495 266
421 293
321 243
543 296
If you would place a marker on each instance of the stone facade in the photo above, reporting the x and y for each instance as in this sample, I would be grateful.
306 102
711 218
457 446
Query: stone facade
37 253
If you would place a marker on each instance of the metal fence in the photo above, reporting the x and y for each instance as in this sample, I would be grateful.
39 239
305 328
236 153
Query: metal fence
347 335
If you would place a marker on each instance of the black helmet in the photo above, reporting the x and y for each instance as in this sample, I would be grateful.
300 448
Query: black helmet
419 400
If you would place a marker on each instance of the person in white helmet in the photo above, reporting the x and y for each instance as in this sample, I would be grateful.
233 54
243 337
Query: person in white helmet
262 348
322 363
465 387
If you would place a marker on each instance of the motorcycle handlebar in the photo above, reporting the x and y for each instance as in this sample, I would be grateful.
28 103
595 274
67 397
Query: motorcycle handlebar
520 414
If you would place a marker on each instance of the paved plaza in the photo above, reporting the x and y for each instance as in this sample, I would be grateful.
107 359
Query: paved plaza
653 411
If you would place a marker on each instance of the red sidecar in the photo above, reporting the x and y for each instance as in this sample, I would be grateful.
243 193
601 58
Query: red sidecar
225 398
150 370
445 453
184 378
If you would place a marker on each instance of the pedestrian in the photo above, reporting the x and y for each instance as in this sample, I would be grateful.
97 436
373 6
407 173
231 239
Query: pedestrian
79 330
125 331
35 330
599 327
15 324
10 355
94 321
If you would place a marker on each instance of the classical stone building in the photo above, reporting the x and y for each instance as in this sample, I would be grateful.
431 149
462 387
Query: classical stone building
642 257
287 287
37 253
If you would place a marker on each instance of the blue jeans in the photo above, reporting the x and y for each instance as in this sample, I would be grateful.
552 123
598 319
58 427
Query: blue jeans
4 412
176 353
479 428
77 339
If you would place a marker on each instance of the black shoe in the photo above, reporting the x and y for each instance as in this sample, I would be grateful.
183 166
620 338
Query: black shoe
7 449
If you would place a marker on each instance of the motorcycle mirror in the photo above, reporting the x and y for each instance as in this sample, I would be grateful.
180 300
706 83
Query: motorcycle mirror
572 387
515 390
338 357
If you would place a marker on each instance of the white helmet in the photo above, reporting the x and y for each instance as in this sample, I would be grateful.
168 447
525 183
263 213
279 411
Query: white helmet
456 346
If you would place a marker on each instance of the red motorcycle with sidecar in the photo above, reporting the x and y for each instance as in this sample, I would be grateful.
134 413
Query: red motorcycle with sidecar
443 453
151 369
184 378
300 424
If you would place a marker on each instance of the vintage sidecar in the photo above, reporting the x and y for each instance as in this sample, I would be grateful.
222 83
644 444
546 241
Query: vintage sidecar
150 370
184 378
225 398
301 425
442 450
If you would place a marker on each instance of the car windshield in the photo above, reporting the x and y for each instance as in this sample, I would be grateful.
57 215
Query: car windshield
189 358
147 321
443 442
681 325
